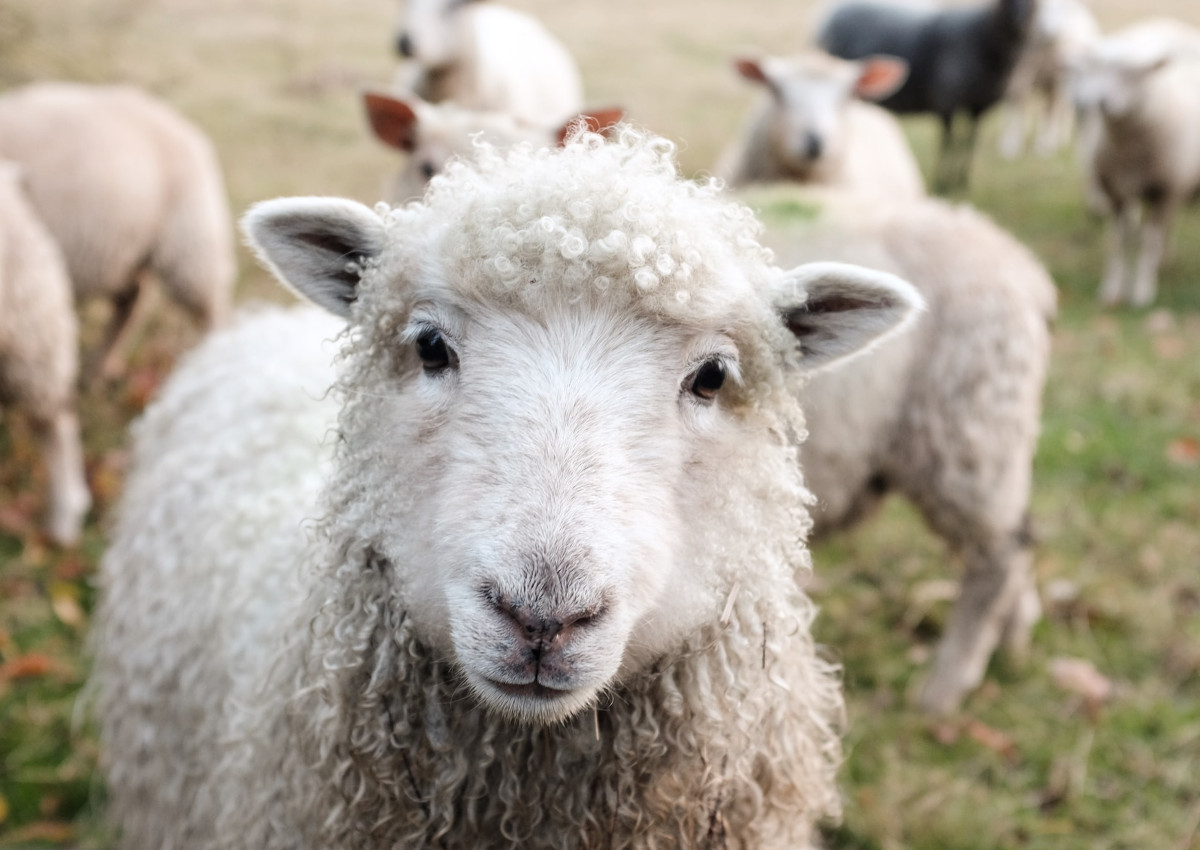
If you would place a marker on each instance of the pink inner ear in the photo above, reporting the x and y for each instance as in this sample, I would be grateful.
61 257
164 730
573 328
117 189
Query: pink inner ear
597 121
393 121
880 77
751 69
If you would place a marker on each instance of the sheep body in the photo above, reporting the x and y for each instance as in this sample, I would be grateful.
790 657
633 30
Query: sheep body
959 60
489 58
811 128
38 358
946 414
126 186
1141 89
513 461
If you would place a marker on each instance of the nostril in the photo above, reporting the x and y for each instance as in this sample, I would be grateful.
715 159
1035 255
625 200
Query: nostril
812 145
535 627
404 46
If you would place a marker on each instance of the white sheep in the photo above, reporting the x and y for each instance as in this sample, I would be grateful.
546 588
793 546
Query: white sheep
946 413
487 57
812 126
1038 97
127 187
1141 87
38 356
431 134
538 588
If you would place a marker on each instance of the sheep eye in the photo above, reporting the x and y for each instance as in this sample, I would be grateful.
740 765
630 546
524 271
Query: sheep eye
708 379
427 170
435 354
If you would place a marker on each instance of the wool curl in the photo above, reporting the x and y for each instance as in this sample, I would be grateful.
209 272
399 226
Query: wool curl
350 730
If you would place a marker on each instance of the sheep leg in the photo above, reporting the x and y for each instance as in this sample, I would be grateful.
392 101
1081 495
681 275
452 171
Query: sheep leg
1012 138
998 580
1119 246
62 452
110 360
943 181
1154 245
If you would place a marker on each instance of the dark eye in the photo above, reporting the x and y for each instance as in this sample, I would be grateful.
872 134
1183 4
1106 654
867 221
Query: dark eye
708 379
435 354
427 170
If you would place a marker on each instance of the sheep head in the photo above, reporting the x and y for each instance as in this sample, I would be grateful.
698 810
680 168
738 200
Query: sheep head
568 404
810 93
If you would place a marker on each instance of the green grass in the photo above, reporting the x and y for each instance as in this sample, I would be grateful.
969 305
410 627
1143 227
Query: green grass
1117 486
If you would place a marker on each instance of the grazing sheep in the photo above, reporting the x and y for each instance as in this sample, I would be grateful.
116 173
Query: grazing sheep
488 58
1142 88
431 134
538 587
946 414
1038 98
126 186
38 356
959 60
812 128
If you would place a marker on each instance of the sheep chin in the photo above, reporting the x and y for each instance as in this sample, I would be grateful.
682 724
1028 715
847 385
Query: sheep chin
534 704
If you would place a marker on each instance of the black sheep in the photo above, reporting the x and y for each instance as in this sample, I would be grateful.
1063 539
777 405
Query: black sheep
959 61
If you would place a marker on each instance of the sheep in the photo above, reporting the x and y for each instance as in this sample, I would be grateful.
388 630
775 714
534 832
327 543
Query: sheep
1038 95
488 58
431 134
946 414
959 60
38 357
812 128
539 586
126 186
1141 87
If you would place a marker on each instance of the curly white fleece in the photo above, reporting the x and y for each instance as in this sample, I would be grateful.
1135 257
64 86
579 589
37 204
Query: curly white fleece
285 667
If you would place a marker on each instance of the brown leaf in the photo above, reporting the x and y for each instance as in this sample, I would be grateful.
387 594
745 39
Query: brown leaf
27 666
1184 451
54 832
1080 676
993 739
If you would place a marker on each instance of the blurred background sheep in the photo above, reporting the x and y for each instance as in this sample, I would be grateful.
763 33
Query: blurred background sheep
1090 743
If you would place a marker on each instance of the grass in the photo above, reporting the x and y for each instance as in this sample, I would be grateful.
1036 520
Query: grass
1028 763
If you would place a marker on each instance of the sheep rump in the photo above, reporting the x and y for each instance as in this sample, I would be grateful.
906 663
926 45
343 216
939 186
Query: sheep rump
125 185
38 356
333 704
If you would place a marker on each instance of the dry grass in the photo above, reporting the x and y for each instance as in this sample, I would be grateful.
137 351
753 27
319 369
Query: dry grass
1029 763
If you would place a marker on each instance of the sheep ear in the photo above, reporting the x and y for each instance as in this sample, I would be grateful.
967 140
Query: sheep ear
393 121
752 70
837 310
594 121
880 77
316 246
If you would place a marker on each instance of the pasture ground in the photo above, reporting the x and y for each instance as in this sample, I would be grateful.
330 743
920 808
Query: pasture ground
1031 762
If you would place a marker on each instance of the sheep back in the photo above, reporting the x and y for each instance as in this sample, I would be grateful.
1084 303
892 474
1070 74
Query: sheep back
124 183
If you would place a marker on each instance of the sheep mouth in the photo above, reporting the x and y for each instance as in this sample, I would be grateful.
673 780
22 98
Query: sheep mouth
529 690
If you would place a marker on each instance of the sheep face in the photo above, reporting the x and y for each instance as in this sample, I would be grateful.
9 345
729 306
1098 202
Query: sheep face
567 366
429 31
1112 86
810 94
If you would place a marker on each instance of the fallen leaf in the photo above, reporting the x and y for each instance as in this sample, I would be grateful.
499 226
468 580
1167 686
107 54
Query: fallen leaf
54 832
993 739
64 601
1184 451
27 666
1080 676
